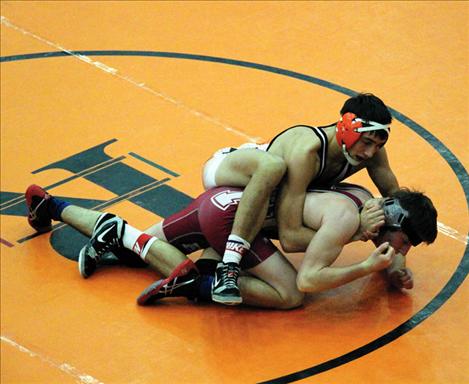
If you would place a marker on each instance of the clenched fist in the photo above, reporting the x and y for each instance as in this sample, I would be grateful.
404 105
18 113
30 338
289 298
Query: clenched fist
401 278
381 257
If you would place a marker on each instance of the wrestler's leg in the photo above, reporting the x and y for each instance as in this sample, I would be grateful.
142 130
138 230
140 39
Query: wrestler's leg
270 284
260 172
273 284
81 219
162 256
43 208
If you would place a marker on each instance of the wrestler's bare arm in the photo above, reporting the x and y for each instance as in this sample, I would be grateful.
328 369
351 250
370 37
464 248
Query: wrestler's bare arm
381 173
302 165
317 274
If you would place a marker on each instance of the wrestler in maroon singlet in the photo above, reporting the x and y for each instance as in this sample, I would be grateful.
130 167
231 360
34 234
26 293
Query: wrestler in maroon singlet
208 220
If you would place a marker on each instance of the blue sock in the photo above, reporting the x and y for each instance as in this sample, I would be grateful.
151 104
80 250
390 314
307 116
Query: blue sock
205 288
55 208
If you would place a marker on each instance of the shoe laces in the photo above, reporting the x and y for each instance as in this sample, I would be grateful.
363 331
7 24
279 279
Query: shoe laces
230 275
107 247
33 212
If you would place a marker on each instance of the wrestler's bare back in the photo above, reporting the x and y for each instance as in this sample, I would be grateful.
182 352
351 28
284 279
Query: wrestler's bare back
302 140
331 207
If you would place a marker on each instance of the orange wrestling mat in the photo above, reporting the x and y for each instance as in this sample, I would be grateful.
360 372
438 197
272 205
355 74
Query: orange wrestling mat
117 105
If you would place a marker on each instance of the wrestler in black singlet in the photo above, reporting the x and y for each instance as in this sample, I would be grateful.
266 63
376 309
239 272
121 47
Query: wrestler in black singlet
322 154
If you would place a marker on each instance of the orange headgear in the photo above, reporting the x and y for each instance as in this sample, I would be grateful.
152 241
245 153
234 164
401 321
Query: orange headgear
350 127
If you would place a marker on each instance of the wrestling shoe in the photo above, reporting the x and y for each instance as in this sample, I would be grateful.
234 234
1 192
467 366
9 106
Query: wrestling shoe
183 282
37 200
225 284
106 237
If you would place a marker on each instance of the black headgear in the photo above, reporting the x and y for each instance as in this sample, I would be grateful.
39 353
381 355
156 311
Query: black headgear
397 218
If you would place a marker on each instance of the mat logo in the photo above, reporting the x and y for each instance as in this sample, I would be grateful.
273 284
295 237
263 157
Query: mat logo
112 174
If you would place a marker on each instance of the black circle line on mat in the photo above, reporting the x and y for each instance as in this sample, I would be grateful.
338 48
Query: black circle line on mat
448 290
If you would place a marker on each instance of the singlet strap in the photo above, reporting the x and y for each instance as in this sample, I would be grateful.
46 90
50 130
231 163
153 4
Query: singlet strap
354 198
347 190
323 150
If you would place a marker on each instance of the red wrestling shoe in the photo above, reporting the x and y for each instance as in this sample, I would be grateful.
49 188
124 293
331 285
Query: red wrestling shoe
38 215
183 282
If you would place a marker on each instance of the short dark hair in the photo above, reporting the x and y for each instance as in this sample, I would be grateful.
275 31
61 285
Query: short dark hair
367 106
421 222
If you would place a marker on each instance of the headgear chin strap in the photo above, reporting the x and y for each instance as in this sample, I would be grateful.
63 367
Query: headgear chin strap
349 158
350 128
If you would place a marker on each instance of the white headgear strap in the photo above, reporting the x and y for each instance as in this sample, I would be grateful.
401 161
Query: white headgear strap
349 158
371 126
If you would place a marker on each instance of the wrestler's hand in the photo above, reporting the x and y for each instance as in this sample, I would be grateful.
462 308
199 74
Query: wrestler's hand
371 220
381 258
401 278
